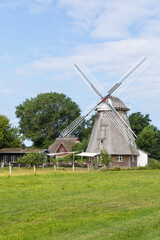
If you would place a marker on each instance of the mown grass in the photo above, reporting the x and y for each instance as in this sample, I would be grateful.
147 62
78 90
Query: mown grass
80 205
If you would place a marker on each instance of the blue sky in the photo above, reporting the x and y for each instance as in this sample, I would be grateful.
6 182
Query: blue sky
42 39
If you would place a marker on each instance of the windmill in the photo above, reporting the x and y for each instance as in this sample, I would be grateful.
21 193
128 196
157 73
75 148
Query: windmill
111 121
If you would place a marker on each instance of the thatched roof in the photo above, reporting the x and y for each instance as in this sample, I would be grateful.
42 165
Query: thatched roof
20 150
66 142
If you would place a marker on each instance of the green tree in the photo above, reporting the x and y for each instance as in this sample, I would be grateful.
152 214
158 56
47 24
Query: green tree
149 141
81 146
138 121
105 158
43 117
31 159
9 136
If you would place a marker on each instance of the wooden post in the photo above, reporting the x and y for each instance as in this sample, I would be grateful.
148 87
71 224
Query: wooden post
34 168
97 161
81 157
10 169
43 166
57 161
88 167
73 161
54 167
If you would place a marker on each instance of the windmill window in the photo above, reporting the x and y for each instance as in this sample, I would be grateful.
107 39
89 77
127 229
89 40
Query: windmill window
101 141
125 116
131 143
103 127
119 158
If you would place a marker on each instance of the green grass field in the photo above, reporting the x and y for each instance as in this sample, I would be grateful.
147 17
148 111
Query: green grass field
80 205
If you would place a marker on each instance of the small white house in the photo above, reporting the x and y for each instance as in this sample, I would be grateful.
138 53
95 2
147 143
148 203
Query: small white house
142 159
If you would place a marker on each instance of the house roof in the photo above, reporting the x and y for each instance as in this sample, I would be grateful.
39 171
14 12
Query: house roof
140 150
66 142
87 154
20 150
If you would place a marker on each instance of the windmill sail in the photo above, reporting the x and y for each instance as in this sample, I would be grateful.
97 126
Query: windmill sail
89 79
120 120
128 77
119 123
73 125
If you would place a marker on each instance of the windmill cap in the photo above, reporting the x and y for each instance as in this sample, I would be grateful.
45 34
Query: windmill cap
115 102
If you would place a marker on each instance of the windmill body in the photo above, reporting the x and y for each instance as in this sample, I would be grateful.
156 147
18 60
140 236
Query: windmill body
106 136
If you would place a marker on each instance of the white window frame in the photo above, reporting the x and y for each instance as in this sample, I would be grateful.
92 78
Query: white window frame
103 128
13 159
119 158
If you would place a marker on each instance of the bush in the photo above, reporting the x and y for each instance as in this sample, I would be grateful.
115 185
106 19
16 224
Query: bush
31 159
105 158
153 164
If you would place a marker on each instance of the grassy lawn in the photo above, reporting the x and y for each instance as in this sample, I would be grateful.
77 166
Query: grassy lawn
80 205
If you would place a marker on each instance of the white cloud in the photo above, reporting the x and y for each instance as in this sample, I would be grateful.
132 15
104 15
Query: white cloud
38 6
108 56
6 58
5 91
116 19
34 6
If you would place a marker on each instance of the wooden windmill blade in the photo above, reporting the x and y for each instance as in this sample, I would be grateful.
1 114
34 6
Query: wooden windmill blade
91 81
128 77
120 124
117 116
71 127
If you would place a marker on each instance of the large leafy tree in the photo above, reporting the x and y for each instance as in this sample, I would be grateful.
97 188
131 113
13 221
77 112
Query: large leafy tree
148 135
9 136
138 121
149 141
42 118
